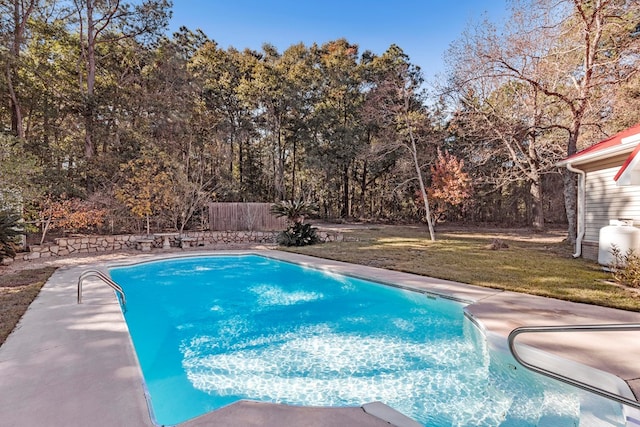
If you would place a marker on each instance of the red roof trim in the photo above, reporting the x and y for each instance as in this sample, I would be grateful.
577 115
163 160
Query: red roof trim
627 162
612 141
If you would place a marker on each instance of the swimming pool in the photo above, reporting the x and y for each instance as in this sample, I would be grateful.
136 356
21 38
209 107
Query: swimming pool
209 331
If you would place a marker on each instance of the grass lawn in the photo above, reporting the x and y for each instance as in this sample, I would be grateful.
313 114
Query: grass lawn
17 290
538 264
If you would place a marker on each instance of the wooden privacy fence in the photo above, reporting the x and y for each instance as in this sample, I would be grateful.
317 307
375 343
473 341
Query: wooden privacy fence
237 216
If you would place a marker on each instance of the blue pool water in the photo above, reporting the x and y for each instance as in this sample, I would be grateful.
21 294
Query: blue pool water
209 331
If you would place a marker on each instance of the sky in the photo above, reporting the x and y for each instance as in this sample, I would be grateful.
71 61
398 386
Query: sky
424 29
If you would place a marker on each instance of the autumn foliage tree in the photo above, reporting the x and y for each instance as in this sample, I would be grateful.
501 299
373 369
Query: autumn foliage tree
71 214
147 186
158 185
450 186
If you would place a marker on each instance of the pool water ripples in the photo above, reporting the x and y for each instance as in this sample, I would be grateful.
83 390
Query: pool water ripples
248 327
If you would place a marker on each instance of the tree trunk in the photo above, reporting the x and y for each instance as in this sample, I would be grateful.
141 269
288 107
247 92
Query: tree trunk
537 204
241 159
346 208
16 113
280 156
363 190
91 79
21 13
423 191
231 154
88 130
293 171
570 185
45 228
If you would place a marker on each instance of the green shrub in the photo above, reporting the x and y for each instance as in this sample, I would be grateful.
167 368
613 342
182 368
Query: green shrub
9 230
298 235
625 268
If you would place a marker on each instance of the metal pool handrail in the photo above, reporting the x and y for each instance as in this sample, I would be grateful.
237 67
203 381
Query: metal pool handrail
108 281
565 379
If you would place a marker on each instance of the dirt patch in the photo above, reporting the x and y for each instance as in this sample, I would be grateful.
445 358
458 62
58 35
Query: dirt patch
24 277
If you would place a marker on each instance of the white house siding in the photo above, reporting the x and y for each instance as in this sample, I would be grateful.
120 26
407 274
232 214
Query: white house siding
604 201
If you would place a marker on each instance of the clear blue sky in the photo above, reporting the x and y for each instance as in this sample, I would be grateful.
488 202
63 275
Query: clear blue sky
424 29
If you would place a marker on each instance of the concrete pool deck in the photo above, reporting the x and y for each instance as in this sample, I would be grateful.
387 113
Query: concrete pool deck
69 364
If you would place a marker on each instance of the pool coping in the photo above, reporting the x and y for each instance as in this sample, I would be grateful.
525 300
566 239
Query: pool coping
48 364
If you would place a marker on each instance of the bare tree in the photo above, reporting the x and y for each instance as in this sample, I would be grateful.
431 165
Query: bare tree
568 52
506 120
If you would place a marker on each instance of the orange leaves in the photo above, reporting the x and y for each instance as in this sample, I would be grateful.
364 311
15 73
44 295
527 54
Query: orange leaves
449 182
71 214
450 185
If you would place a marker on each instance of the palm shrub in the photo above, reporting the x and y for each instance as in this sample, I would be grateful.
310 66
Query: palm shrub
297 233
9 230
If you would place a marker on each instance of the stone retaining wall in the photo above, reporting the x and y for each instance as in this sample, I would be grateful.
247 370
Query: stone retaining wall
64 246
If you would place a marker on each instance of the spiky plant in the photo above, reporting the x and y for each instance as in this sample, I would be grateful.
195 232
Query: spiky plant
294 210
298 235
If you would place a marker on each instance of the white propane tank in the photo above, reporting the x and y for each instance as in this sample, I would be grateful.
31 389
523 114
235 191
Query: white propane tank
621 234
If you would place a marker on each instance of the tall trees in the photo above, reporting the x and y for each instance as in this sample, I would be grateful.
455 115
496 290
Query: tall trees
15 15
340 133
220 74
596 51
268 93
506 120
173 134
302 78
109 21
89 85
282 91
